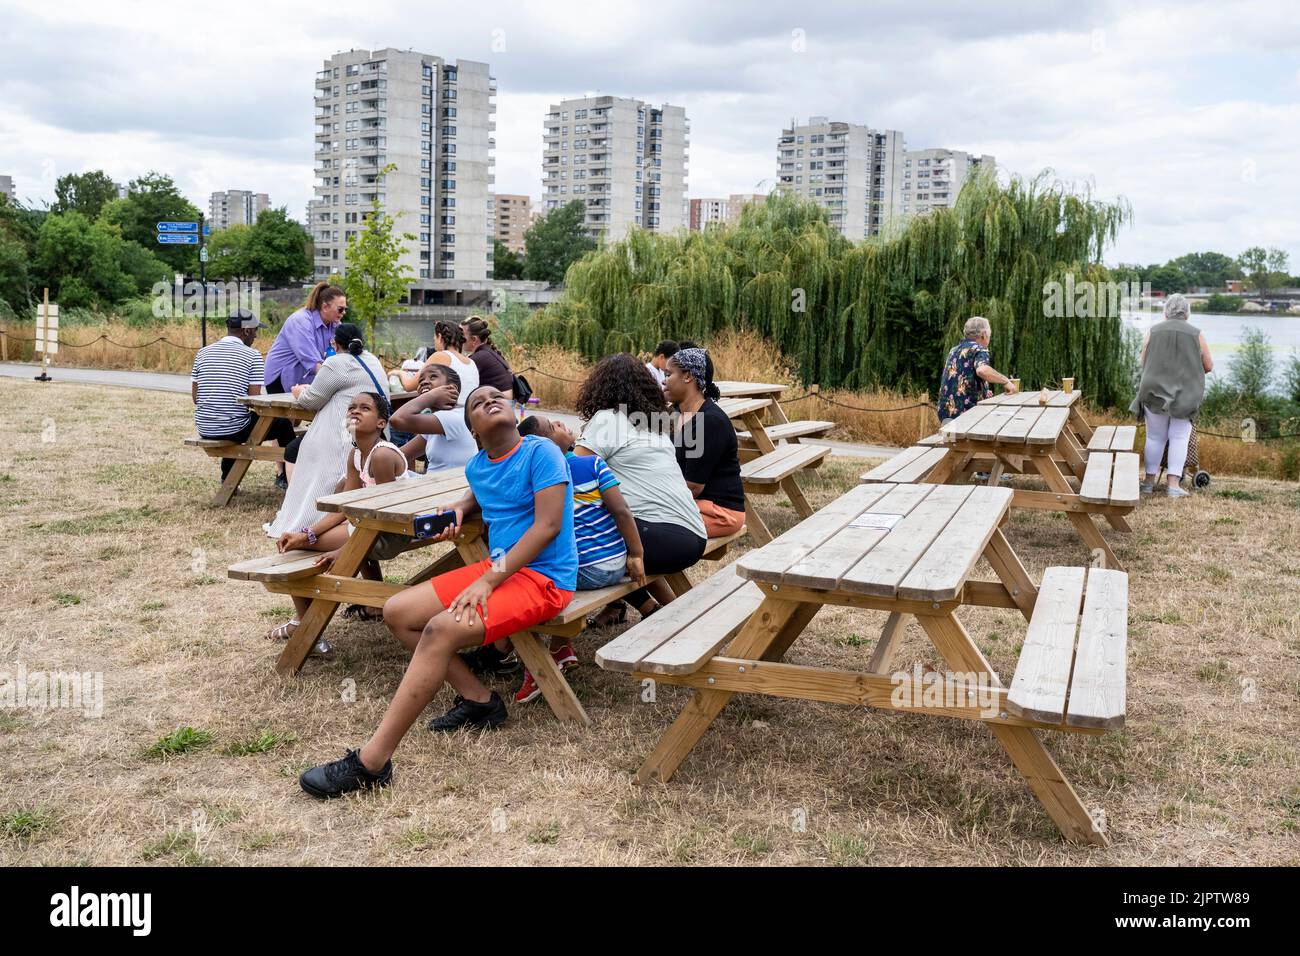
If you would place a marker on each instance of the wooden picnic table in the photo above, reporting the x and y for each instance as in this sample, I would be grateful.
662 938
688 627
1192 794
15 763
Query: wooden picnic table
905 550
757 390
267 407
1028 433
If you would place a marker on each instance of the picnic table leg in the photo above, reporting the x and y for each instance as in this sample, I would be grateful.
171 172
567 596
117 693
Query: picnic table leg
1072 453
448 562
778 413
1081 426
795 494
679 582
1082 522
890 636
995 473
534 650
236 474
1118 523
352 555
1022 744
754 522
767 635
757 433
1011 572
941 473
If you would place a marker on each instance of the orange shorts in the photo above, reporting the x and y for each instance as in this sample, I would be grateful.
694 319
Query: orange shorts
524 599
719 521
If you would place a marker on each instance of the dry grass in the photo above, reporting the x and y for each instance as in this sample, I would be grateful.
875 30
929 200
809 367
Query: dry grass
82 346
113 512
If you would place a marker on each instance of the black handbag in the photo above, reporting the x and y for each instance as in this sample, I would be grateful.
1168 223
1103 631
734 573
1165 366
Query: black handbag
523 391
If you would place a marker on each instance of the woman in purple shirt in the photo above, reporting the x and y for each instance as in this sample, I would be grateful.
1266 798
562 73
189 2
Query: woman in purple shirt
299 349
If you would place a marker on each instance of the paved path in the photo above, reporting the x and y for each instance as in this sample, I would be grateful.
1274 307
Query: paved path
170 382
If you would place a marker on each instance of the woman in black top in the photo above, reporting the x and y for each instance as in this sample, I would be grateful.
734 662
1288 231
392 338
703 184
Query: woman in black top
706 442
493 369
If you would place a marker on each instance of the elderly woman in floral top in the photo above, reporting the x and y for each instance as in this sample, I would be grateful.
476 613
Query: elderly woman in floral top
968 376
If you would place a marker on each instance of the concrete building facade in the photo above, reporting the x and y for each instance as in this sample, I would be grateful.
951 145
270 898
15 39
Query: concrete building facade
513 216
932 178
705 211
433 120
850 170
236 207
7 187
625 159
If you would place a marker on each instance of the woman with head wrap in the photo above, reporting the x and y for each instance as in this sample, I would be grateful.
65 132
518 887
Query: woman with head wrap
1175 359
707 451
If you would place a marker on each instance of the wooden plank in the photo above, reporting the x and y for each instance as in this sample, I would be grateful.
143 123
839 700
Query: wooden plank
1101 438
935 439
1042 678
243 570
918 470
1048 427
772 467
823 566
1095 488
886 468
627 650
1125 436
369 502
943 569
748 389
987 428
956 429
1059 399
883 567
769 562
739 407
1124 480
687 650
1021 423
1097 688
791 430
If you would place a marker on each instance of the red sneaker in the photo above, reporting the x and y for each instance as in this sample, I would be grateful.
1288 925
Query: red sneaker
529 691
564 657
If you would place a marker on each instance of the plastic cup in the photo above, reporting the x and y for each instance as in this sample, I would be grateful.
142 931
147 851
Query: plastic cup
1067 385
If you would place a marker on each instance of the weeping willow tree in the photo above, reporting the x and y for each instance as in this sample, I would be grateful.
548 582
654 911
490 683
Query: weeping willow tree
880 312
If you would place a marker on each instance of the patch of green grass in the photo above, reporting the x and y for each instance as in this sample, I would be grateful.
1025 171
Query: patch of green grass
846 848
1215 672
545 833
121 519
67 599
751 845
179 741
9 724
203 580
1217 574
7 479
854 640
1225 521
25 824
109 553
264 742
259 841
1238 495
423 837
182 844
153 605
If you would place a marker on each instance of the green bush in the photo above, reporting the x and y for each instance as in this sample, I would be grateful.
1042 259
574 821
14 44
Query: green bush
1222 303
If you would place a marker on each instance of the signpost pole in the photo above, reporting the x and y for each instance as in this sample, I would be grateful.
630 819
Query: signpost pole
203 279
44 327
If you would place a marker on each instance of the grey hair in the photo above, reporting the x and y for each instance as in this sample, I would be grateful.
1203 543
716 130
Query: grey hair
977 325
1177 307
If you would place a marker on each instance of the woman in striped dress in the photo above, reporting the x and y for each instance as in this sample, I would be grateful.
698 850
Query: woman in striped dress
323 457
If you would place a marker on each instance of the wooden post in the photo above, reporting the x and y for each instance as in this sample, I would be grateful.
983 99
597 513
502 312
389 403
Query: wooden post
43 342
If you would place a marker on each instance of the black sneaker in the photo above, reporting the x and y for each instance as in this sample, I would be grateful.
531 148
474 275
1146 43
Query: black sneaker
282 482
470 713
343 776
487 661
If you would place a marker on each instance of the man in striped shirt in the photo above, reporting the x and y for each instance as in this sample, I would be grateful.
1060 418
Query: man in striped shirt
223 371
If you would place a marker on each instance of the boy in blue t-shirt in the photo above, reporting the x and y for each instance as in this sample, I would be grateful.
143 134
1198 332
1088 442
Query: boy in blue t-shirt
609 546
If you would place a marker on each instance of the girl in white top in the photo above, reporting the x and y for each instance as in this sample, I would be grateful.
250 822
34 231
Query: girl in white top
448 340
373 461
323 456
436 417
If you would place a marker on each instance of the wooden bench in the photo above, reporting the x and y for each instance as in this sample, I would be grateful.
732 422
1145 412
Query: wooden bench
1113 438
687 633
772 472
1072 666
909 466
1110 479
790 431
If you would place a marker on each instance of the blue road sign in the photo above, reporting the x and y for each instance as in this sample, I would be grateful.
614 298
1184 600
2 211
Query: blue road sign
207 230
172 239
178 227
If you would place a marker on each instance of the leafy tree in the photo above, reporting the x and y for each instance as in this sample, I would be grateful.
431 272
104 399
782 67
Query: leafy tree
151 199
86 193
556 241
1167 278
278 248
1265 268
376 279
1250 372
506 264
228 257
81 262
1291 376
1208 269
19 228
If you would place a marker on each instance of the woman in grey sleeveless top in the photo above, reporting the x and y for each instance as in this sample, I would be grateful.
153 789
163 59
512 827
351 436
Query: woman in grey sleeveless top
1175 359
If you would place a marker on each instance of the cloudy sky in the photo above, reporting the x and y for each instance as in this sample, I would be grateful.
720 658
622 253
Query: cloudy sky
1189 110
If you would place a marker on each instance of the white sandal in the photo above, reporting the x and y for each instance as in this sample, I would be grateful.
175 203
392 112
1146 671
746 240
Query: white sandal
284 631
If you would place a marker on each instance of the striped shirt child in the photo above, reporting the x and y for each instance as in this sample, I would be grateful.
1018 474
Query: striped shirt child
600 543
223 371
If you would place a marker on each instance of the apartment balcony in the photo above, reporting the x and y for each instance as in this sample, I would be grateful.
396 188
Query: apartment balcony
323 148
370 108
324 134
324 81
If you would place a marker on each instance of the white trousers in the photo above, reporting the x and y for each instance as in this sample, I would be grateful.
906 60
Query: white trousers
1161 429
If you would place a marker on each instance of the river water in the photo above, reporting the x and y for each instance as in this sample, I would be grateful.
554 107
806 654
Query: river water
1223 332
